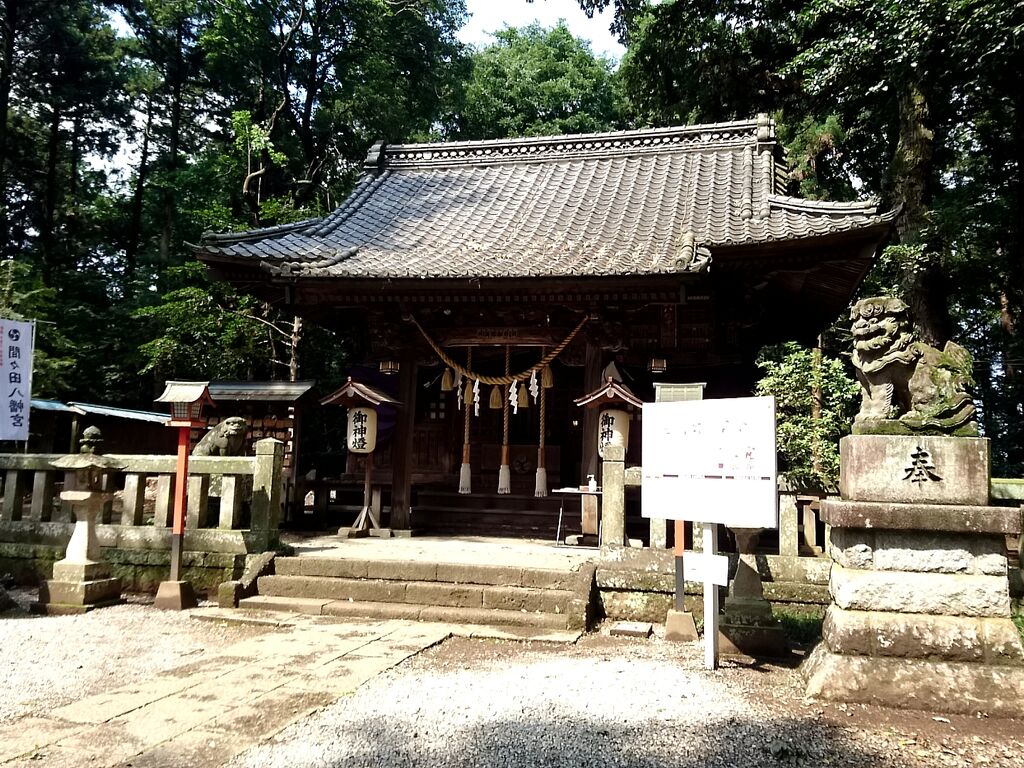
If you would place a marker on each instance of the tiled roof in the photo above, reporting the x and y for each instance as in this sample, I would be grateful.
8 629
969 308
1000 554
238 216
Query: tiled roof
625 203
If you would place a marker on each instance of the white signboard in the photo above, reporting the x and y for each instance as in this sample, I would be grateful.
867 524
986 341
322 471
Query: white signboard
705 568
712 461
15 378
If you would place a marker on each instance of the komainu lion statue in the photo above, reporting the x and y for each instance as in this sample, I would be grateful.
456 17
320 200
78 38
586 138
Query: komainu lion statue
908 387
225 439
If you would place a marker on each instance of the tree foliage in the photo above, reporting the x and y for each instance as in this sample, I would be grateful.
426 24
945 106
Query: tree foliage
808 431
535 82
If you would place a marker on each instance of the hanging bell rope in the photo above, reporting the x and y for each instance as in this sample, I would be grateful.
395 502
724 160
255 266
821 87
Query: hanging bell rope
541 486
465 471
540 365
504 471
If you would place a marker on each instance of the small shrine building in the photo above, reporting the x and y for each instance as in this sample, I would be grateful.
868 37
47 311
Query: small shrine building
499 279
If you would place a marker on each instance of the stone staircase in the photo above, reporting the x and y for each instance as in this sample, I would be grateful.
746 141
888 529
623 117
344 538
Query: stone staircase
490 514
455 593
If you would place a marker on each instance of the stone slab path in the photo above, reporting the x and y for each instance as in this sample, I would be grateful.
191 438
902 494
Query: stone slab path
203 714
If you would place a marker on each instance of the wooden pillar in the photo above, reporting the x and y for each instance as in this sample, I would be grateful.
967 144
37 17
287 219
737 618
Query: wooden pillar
589 463
401 449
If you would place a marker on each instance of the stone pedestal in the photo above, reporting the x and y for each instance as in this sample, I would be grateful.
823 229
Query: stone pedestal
81 581
680 626
920 613
747 626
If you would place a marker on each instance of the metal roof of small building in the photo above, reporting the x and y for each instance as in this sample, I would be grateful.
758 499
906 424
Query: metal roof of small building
277 391
120 413
623 203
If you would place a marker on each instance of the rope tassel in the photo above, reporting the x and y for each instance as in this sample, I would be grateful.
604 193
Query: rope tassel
496 400
447 381
547 378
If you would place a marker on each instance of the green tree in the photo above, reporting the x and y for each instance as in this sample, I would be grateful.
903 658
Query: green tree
24 297
813 415
534 82
204 329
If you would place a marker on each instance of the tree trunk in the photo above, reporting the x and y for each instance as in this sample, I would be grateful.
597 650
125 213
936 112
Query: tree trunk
817 400
293 356
6 66
177 76
131 250
925 286
48 228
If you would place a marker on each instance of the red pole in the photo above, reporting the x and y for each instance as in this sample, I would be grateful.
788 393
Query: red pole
680 535
180 495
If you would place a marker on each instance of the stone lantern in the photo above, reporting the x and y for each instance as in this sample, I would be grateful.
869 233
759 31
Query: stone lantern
82 581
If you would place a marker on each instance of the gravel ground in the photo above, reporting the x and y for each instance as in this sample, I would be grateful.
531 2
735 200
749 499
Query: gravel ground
607 702
49 661
604 701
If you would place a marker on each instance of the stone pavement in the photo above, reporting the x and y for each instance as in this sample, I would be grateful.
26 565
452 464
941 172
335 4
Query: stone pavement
201 715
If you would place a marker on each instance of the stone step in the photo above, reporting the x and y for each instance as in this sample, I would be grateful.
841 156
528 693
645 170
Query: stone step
403 570
385 610
435 593
527 504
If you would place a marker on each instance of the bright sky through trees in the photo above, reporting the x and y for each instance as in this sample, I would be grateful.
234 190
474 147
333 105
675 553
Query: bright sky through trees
491 15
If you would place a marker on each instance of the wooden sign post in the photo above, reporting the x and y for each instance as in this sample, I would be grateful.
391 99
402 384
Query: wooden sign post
713 462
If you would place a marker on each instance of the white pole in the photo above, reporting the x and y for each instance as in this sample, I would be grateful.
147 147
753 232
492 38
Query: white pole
710 602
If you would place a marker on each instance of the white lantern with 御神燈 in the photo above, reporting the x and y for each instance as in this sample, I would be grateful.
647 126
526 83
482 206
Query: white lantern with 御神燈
612 429
362 430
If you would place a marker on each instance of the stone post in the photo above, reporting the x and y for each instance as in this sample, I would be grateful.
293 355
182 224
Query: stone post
748 626
163 509
230 502
42 495
14 495
920 613
266 489
134 499
198 501
789 525
613 497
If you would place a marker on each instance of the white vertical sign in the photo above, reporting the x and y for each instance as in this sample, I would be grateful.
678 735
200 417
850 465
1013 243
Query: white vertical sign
16 344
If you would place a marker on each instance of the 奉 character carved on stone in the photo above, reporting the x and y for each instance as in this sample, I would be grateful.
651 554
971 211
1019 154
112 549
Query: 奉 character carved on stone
907 386
225 439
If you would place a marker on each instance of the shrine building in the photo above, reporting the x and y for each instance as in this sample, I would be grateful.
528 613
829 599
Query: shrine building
499 280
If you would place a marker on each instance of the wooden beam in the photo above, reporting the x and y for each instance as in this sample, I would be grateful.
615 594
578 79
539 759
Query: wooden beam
589 465
401 449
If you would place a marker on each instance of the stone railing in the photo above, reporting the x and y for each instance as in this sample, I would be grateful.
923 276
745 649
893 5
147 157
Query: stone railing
638 584
234 509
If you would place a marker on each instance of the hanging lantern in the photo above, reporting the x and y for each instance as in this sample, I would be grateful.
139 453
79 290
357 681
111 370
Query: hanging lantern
612 429
362 430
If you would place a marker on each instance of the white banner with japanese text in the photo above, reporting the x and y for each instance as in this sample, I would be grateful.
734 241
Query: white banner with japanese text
16 345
